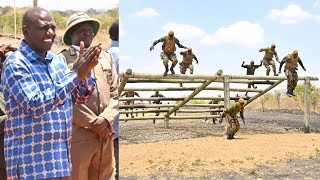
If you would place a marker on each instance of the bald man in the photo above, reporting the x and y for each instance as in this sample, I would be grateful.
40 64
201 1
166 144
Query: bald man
39 91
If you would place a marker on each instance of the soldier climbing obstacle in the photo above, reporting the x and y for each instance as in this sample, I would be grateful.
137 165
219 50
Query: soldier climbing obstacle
157 94
130 102
214 101
251 68
168 48
291 61
267 59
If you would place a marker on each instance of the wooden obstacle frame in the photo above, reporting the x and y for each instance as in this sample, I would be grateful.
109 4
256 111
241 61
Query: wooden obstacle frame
203 81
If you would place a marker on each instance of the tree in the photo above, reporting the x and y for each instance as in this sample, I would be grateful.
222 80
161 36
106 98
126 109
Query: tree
278 95
315 94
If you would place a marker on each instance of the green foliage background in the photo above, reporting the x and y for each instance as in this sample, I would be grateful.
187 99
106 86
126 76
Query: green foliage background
61 18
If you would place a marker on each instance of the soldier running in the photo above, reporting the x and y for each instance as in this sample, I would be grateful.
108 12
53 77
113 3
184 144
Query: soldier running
231 117
291 61
267 59
214 101
251 68
130 102
157 94
168 48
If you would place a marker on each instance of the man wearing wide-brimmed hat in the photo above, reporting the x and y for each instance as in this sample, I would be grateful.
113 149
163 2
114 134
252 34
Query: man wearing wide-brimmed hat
92 136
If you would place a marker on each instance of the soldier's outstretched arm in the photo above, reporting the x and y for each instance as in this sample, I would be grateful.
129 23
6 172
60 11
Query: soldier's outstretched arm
262 49
242 65
155 43
242 117
301 64
182 53
178 44
195 58
281 64
277 58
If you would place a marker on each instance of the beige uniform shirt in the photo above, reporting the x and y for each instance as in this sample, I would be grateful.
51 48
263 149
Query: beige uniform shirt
104 99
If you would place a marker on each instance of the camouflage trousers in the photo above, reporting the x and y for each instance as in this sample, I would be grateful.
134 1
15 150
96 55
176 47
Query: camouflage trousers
184 66
169 56
128 103
267 63
292 77
233 126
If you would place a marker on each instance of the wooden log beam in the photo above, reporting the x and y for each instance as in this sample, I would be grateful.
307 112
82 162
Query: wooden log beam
167 105
194 93
171 118
266 90
174 98
191 89
124 82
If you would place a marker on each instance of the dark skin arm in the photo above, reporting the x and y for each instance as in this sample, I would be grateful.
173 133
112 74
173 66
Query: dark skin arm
242 65
195 58
86 61
179 45
156 42
301 64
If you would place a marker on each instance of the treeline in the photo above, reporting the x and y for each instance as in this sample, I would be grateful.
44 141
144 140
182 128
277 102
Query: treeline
61 18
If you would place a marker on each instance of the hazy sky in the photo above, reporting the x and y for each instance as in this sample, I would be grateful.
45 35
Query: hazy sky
221 33
64 4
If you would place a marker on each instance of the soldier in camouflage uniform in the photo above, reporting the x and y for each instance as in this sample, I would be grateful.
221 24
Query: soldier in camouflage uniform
157 94
130 102
291 61
267 59
186 62
231 117
214 101
168 48
250 71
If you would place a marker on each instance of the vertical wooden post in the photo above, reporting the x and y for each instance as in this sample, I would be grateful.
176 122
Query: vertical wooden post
307 98
226 86
166 122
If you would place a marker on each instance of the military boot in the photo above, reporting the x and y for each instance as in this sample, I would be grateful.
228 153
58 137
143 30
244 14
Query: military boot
229 136
166 71
171 70
275 73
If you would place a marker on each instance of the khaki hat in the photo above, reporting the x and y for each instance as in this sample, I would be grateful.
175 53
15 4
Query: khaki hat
78 18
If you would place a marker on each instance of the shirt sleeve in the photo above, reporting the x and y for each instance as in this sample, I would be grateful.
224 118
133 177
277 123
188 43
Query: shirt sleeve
111 112
83 91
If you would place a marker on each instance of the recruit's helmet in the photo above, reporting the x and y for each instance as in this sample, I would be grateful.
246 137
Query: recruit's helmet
295 52
252 62
189 49
241 101
273 45
171 33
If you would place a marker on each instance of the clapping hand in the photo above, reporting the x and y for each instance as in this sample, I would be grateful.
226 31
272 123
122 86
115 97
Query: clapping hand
86 60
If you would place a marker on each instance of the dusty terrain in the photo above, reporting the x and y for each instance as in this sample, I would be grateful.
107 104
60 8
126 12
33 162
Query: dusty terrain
271 145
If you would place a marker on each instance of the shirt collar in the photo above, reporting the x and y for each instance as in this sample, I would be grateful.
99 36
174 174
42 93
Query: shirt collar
31 55
114 43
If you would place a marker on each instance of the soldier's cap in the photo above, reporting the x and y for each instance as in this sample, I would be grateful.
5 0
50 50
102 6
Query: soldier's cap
78 18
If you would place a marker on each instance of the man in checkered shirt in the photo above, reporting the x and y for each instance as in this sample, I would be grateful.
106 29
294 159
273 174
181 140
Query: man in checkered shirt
39 90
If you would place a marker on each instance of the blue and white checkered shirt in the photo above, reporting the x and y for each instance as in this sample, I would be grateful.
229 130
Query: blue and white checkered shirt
39 95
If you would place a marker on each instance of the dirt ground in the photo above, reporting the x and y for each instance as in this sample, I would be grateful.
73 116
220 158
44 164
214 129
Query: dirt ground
271 145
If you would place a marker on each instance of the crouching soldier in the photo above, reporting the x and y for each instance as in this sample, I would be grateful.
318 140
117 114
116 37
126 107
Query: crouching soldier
231 117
